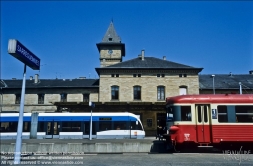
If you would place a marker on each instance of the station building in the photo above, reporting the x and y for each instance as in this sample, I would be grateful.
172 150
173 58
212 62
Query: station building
138 85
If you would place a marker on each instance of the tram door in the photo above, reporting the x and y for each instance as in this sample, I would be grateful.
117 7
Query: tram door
203 123
52 129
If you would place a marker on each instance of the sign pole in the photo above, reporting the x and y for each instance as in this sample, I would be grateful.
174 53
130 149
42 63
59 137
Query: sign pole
19 51
18 147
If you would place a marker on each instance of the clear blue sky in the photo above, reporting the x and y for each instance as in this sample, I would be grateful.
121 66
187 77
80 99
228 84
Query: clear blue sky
217 36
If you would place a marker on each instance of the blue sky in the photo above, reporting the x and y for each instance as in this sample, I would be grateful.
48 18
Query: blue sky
214 35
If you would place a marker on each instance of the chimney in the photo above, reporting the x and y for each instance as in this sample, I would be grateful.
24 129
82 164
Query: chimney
251 72
142 54
36 78
164 57
31 77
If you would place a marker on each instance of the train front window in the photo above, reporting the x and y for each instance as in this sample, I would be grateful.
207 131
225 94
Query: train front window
186 113
136 125
179 113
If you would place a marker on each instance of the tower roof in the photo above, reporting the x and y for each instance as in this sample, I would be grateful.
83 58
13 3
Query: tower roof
111 35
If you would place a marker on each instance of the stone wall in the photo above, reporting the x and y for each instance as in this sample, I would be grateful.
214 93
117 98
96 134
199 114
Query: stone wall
148 83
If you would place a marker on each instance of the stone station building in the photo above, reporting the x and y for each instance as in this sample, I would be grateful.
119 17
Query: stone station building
139 86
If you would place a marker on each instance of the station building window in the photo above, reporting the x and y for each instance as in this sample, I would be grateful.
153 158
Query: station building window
115 92
149 122
18 99
63 97
86 97
41 98
137 93
182 90
160 93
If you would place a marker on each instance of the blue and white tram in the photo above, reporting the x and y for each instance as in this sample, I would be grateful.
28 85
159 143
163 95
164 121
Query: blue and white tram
74 125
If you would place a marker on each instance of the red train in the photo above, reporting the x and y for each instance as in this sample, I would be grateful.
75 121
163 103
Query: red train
207 120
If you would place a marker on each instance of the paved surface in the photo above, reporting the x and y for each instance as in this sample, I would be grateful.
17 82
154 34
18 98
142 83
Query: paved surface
136 159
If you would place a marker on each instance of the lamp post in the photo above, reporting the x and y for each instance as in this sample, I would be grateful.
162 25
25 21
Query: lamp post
213 83
92 105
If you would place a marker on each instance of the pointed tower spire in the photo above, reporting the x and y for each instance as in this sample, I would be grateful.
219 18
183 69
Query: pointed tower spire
111 35
111 49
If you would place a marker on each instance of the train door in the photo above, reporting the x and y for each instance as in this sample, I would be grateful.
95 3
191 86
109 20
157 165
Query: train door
203 123
52 129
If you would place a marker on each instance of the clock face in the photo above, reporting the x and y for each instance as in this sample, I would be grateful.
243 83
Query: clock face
110 52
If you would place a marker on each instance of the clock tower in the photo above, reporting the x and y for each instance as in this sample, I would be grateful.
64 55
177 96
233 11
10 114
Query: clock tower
111 49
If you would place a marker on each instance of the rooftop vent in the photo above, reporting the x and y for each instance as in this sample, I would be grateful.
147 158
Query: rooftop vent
230 74
36 80
13 78
251 72
82 78
142 54
31 77
164 57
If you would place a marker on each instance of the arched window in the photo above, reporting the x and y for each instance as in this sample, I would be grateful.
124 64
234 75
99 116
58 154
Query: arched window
160 93
137 93
182 90
115 92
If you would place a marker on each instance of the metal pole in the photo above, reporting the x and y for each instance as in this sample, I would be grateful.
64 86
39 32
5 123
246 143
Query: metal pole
91 124
213 84
2 97
240 87
20 124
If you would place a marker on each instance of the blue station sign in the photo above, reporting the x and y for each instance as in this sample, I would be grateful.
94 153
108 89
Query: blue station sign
19 51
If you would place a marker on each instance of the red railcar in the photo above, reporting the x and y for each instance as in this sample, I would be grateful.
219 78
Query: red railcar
207 120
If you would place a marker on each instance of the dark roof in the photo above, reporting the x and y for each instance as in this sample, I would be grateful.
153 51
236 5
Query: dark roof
53 83
226 81
149 63
111 34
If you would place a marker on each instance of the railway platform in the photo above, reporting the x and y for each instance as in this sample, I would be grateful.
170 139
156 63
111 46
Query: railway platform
86 146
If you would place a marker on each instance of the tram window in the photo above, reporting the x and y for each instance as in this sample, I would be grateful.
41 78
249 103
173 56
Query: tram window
9 127
186 113
71 126
105 125
66 126
41 126
222 113
121 125
76 127
86 128
244 114
4 127
26 126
